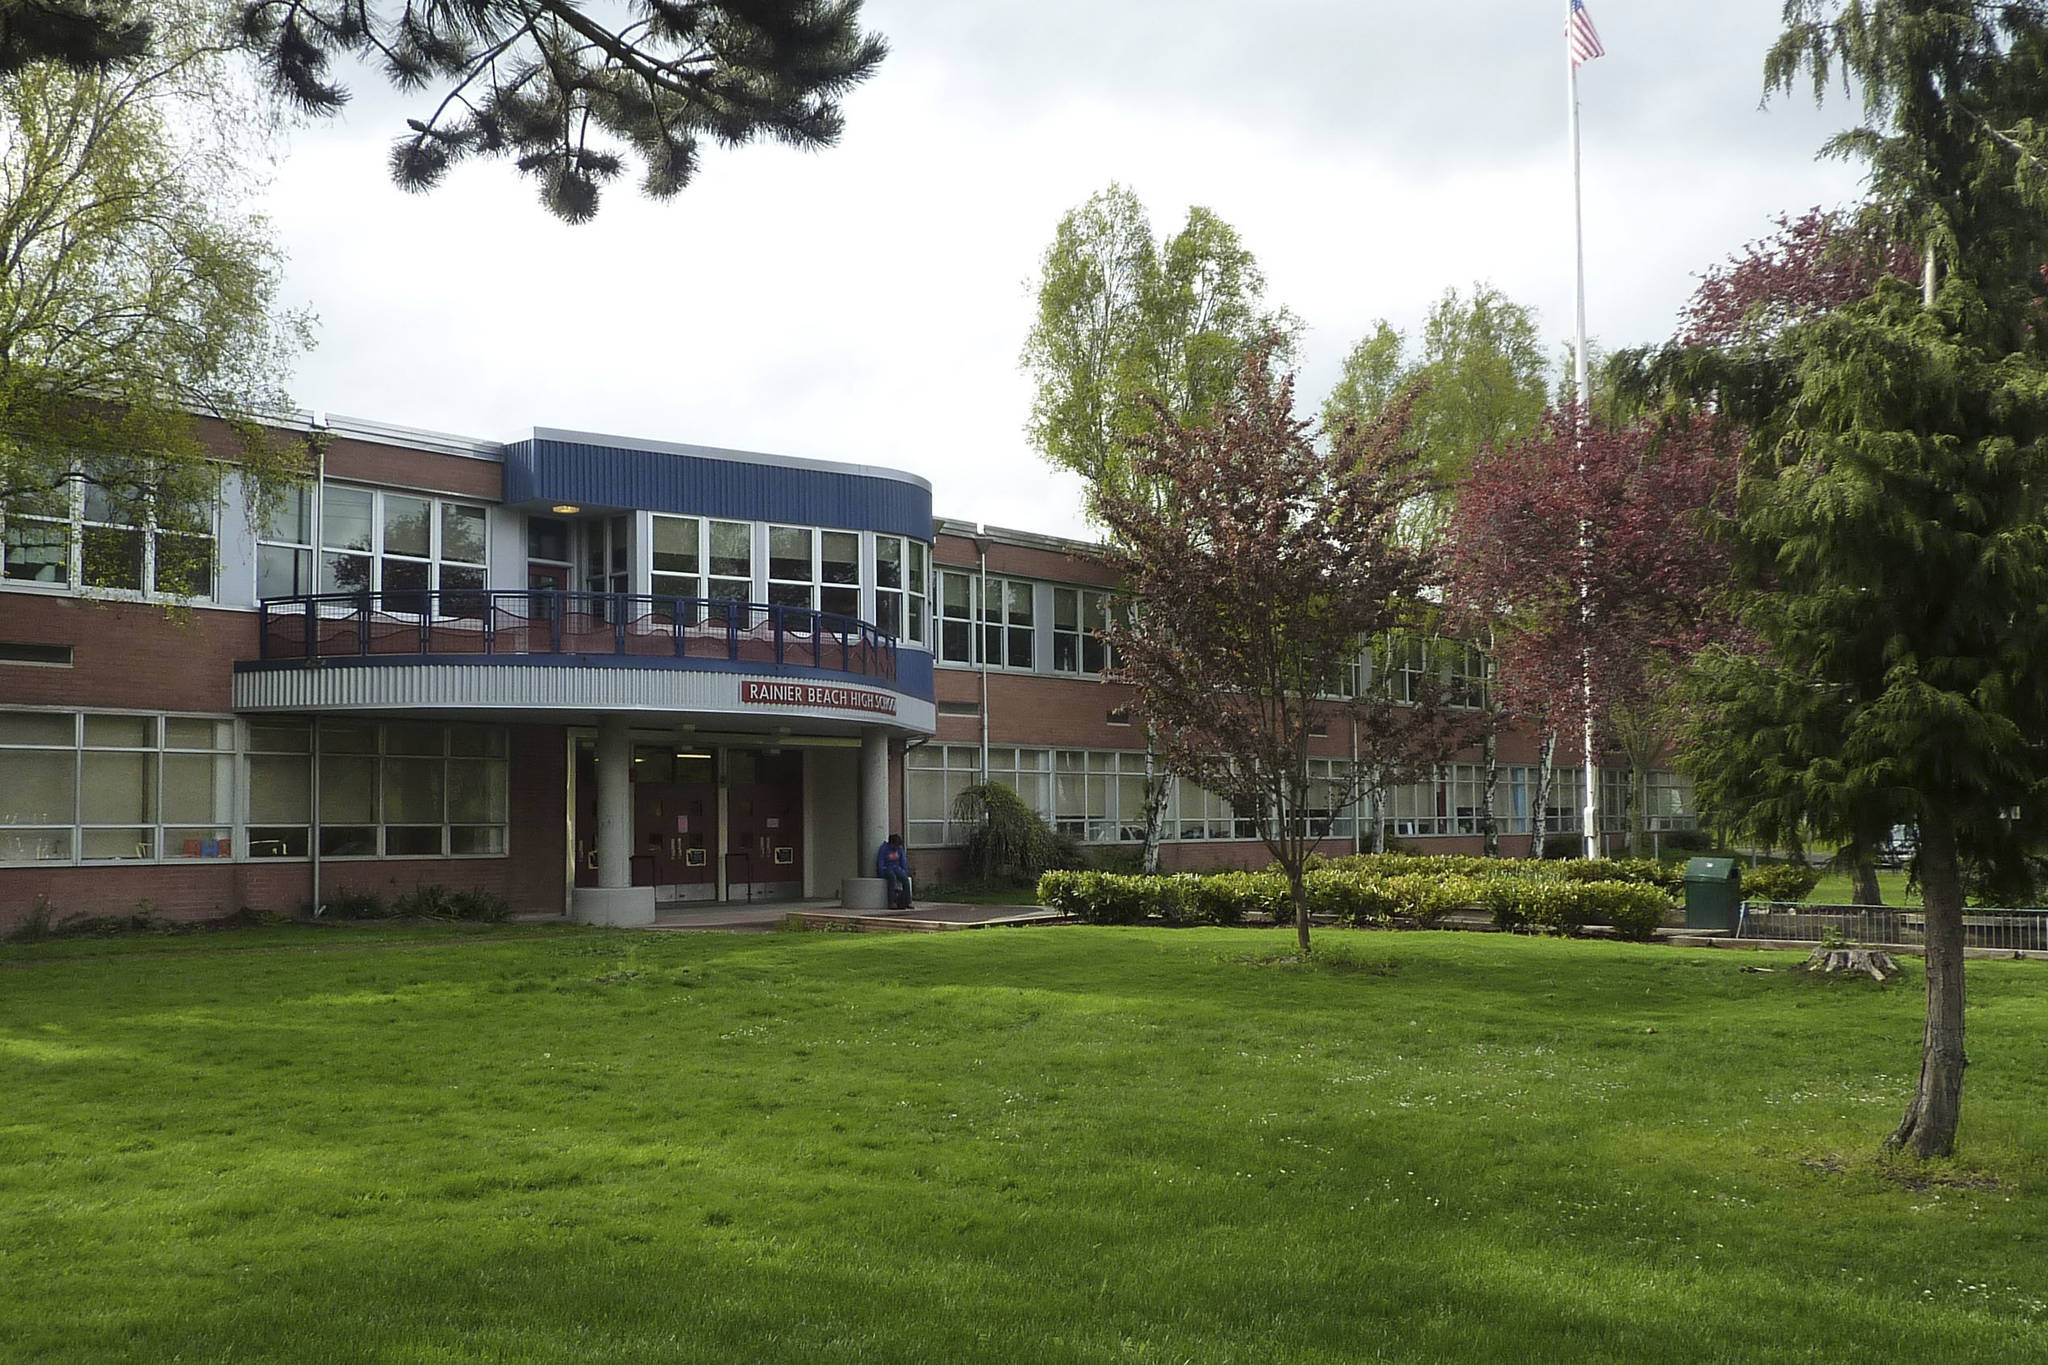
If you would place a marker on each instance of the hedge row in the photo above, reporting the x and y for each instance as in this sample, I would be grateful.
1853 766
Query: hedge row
1770 882
1356 895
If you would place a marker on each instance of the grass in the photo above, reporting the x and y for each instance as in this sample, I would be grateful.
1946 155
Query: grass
1090 1145
1834 889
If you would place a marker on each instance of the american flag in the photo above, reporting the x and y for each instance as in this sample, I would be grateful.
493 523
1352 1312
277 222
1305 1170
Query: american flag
1581 37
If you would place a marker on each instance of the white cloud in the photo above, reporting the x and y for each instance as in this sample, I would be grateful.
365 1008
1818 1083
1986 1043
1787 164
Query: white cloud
868 303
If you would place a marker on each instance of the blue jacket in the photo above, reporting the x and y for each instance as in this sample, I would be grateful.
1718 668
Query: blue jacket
891 861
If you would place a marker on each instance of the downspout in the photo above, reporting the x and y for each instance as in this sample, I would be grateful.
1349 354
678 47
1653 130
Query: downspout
981 646
316 538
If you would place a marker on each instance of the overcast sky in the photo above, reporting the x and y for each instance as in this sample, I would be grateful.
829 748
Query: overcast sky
868 303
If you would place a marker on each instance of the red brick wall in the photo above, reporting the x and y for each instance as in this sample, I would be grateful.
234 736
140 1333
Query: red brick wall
125 654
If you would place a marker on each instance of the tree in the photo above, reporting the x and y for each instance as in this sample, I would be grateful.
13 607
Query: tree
1630 598
1812 265
1890 521
1132 332
133 297
1255 576
1477 381
84 36
533 80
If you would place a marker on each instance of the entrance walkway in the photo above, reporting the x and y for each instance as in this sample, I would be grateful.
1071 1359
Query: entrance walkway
829 914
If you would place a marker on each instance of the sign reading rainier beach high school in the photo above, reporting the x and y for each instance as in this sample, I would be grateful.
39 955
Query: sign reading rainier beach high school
824 696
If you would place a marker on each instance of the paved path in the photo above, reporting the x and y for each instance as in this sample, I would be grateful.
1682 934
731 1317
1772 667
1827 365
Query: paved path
829 914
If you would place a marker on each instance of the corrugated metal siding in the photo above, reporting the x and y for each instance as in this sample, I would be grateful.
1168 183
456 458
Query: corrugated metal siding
658 481
503 686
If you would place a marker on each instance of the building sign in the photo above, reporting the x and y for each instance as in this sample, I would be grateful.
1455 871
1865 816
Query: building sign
821 696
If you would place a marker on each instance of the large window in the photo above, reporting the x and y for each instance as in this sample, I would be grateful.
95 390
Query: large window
1078 616
105 787
1097 796
284 546
400 789
701 557
138 543
1006 622
934 774
901 578
956 617
814 570
1669 804
375 540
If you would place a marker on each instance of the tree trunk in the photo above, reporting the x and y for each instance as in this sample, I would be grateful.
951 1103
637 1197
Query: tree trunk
1539 800
1638 810
1929 1128
1299 888
1863 878
1157 788
1489 827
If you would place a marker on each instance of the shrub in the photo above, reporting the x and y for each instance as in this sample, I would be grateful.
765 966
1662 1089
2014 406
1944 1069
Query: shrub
1636 911
1779 882
487 907
1686 841
356 905
1009 840
35 926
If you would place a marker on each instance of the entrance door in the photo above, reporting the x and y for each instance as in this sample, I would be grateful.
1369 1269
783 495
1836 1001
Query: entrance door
675 822
676 828
765 823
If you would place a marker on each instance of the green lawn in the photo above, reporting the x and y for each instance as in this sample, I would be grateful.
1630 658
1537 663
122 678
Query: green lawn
1833 889
1010 1146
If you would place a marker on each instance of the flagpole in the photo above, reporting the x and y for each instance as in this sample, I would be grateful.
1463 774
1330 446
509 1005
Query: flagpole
1581 398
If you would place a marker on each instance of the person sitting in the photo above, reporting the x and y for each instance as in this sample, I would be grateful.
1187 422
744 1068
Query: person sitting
892 865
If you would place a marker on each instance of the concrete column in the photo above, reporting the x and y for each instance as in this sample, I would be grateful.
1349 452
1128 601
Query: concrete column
614 802
874 792
614 900
867 891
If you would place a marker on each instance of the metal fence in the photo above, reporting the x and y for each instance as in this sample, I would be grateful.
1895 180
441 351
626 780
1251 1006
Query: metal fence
477 621
1983 926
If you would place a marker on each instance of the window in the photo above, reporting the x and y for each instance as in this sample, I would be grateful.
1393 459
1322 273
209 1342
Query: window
102 787
402 789
731 564
1202 814
1617 800
1414 808
284 547
791 573
375 540
1564 812
956 617
814 570
1668 803
1078 616
1006 623
933 775
121 536
1466 801
1325 777
280 765
900 587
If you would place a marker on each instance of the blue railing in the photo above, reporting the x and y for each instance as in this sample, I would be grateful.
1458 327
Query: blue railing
471 621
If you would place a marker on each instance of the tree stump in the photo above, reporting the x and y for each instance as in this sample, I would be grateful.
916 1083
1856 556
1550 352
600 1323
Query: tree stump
1838 962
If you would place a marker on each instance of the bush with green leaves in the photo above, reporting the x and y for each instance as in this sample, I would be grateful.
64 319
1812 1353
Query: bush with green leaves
1779 882
1007 839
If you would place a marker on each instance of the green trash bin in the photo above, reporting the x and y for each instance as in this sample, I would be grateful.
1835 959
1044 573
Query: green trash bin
1713 893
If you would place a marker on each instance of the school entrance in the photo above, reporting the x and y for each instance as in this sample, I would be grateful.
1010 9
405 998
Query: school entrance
728 822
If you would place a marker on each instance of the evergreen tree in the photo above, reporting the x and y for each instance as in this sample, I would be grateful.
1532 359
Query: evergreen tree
1889 530
565 89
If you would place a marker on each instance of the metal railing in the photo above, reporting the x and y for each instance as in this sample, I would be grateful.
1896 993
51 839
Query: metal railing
549 622
1983 926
